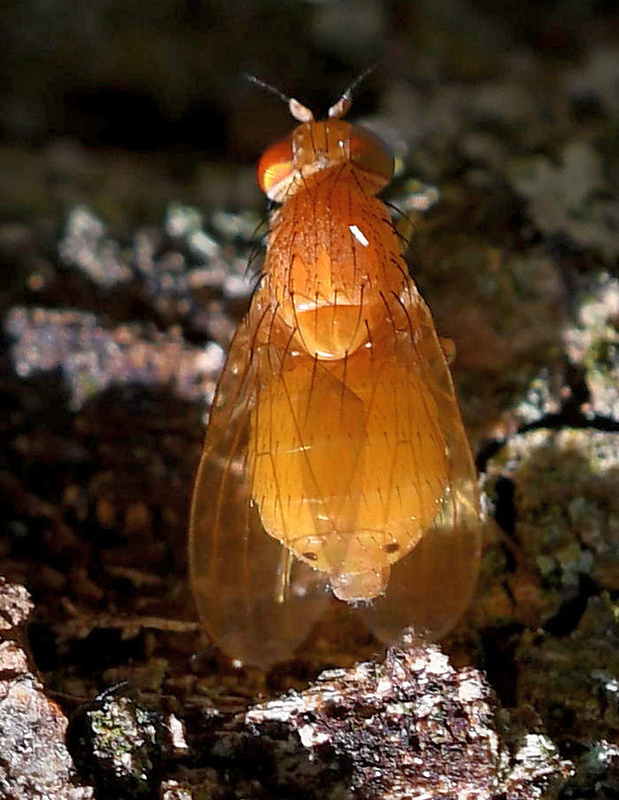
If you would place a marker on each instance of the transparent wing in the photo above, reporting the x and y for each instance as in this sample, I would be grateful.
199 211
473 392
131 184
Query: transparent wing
361 471
431 586
257 602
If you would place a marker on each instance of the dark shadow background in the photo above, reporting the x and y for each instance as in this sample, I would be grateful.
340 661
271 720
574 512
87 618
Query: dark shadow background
166 75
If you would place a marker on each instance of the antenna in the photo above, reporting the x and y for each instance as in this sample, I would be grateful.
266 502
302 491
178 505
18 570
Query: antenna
342 107
298 111
302 113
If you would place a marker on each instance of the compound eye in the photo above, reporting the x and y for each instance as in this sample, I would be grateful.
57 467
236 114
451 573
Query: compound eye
276 168
371 154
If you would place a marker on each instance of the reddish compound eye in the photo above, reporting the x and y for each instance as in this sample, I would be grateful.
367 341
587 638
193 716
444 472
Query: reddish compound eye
371 154
276 167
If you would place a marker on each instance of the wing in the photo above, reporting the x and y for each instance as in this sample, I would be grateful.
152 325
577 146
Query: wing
360 471
256 601
431 586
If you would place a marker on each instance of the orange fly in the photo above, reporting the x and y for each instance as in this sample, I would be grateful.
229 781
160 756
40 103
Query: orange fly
335 462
